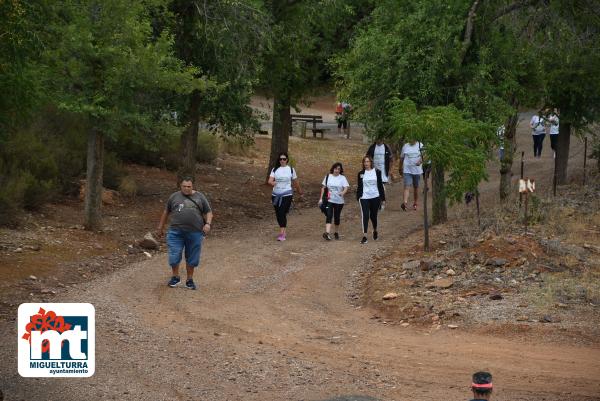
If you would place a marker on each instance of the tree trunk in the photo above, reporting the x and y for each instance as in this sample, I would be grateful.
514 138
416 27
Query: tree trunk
93 190
562 152
438 203
282 124
189 138
506 163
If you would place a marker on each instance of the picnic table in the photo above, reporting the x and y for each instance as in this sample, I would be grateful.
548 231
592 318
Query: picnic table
314 119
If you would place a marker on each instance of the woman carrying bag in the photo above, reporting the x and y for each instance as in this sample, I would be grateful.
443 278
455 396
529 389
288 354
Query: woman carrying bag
282 179
331 201
371 196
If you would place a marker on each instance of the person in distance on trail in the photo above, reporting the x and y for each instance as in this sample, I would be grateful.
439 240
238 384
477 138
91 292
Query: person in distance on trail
538 132
191 219
331 201
383 159
553 120
283 178
342 115
370 195
482 386
411 167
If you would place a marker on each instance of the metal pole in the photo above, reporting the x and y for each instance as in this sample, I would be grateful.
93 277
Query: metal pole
522 172
584 157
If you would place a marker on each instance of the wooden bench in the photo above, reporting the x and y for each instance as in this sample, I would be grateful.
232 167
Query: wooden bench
311 119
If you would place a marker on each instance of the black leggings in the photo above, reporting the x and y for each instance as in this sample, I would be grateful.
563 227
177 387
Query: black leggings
282 210
334 211
369 209
538 140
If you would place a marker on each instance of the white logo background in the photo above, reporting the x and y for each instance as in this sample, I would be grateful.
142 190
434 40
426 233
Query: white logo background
26 311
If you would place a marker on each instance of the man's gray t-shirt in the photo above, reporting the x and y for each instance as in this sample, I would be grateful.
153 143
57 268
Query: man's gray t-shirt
185 215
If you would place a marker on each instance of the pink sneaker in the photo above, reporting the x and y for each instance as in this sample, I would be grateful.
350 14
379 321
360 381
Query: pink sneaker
281 237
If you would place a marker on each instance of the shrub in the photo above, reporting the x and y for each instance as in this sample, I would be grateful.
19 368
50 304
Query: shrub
128 187
238 146
208 147
113 171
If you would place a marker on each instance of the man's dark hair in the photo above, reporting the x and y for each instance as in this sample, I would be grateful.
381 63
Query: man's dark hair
482 378
186 178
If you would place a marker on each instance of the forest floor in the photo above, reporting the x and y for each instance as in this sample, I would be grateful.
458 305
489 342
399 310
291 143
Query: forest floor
306 319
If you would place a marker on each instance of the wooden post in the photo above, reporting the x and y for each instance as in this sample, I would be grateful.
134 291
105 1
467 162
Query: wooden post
526 205
425 212
478 213
522 172
554 177
584 157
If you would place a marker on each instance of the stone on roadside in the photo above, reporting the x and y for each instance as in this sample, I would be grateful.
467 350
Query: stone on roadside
452 326
390 295
450 272
497 262
496 296
441 283
405 324
522 318
149 242
411 265
32 277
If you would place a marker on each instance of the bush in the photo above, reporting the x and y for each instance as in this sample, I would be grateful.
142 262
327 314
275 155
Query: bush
208 147
238 146
128 187
113 171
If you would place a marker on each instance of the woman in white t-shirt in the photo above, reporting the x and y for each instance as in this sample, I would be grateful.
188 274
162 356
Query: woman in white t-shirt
538 132
553 120
337 186
282 179
371 196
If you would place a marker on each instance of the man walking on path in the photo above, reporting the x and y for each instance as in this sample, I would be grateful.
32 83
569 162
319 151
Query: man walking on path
383 159
191 219
412 169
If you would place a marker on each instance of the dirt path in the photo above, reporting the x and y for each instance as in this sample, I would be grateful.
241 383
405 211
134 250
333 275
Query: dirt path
274 321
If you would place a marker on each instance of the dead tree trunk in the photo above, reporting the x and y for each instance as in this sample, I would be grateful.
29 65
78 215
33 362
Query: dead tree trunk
94 173
506 162
562 152
282 124
438 204
189 138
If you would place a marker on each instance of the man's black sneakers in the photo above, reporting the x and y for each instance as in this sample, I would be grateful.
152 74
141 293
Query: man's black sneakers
190 284
174 281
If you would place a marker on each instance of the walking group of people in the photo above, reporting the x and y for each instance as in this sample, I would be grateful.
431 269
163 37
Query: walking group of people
370 191
191 216
546 121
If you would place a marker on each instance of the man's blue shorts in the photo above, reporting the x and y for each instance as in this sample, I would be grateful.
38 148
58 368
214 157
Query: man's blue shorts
177 240
411 180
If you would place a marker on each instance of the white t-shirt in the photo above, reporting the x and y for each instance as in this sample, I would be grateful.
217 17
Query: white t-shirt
553 120
379 160
537 123
412 155
283 179
370 189
336 186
